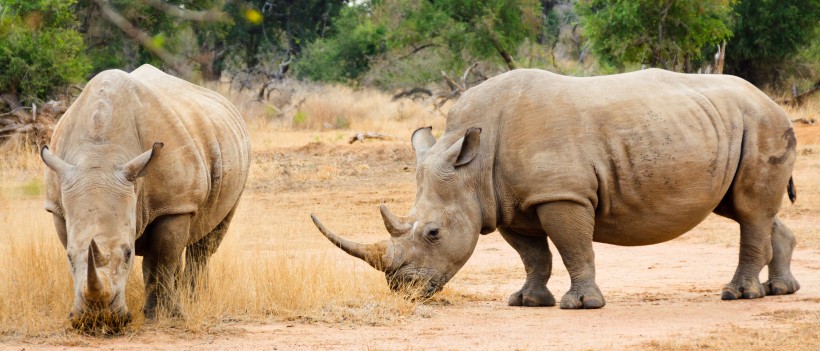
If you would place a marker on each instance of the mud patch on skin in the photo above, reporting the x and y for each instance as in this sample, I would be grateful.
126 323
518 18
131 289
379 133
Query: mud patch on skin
791 143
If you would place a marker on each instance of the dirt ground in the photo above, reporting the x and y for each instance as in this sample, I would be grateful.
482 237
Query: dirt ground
668 292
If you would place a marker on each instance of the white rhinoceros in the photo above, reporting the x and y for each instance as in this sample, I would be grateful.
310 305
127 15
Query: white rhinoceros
111 199
628 159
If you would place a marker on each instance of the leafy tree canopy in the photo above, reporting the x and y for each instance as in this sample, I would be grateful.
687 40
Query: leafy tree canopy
767 34
669 34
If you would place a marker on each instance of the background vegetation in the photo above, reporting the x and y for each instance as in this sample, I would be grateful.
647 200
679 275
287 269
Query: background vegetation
47 45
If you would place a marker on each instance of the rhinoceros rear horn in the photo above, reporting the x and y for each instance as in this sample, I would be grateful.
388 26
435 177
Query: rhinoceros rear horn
138 166
397 226
52 161
375 255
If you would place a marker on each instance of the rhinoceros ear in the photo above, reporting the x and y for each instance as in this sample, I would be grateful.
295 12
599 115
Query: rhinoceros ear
422 140
137 167
52 161
465 149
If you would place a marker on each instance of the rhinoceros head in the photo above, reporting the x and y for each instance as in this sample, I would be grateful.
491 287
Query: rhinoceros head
95 216
433 242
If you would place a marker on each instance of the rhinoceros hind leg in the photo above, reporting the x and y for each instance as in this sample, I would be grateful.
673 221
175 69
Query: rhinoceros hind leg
781 281
537 258
198 254
755 253
570 226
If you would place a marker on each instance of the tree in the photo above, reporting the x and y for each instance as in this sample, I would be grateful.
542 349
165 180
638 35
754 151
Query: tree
670 34
40 50
767 34
345 55
184 36
468 29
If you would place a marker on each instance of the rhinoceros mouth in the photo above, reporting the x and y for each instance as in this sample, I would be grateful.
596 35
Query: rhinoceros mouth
415 284
100 322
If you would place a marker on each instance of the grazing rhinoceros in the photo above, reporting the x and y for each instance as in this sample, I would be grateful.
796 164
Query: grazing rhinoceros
628 159
112 199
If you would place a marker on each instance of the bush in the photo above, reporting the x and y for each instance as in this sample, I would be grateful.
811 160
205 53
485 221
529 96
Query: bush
666 34
346 55
40 52
767 34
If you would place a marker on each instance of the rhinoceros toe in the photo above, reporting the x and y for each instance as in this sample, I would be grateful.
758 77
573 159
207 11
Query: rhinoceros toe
587 298
532 298
746 290
778 286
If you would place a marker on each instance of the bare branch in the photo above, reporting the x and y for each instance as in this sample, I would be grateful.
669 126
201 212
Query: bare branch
411 93
198 16
417 49
143 38
451 83
464 76
361 136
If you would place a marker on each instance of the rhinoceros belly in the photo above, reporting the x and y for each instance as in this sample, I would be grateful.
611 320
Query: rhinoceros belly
660 178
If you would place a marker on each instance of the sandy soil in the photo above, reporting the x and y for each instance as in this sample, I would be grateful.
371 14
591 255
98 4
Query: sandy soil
670 290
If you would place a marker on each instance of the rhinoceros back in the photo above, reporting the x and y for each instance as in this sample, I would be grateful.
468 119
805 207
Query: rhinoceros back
206 153
203 166
654 152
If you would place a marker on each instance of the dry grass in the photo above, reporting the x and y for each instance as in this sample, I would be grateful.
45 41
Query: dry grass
296 107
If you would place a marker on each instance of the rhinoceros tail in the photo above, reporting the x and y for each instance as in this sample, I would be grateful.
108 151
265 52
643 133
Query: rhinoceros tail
792 190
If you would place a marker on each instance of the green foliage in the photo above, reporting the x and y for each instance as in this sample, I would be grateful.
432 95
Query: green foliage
347 54
410 42
40 51
767 34
108 47
468 30
670 34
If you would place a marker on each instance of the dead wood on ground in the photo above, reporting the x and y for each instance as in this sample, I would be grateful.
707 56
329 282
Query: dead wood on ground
361 136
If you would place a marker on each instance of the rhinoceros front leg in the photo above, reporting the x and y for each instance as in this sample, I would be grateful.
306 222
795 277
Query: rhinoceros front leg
162 247
537 258
570 226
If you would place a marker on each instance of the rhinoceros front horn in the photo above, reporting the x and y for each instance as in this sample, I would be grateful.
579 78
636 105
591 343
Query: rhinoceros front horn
397 226
375 255
93 280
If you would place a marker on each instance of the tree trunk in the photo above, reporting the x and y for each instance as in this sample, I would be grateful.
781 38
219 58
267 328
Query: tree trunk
721 59
508 59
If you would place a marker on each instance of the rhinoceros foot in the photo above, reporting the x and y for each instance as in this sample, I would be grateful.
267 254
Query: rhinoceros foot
587 297
532 297
749 289
781 286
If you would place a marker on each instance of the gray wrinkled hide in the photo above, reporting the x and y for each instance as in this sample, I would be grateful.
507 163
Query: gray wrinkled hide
628 159
186 197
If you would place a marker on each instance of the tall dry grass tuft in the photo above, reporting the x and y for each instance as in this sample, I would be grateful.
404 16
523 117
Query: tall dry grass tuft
35 280
277 283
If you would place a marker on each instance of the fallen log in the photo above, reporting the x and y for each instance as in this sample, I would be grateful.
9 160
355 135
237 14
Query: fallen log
361 136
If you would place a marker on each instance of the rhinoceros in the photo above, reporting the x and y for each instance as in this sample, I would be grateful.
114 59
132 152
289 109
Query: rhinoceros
142 164
628 159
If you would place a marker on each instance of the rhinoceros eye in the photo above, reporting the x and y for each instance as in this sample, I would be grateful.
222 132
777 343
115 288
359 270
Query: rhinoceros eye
127 255
432 234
